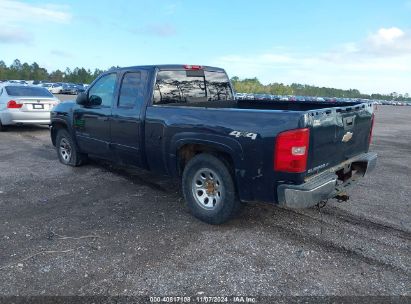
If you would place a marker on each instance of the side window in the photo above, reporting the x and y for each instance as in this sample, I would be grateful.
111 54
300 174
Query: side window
104 89
131 91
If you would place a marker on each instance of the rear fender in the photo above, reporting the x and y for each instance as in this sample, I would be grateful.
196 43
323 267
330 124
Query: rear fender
227 145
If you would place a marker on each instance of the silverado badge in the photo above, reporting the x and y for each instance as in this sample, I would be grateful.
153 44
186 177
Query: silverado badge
347 137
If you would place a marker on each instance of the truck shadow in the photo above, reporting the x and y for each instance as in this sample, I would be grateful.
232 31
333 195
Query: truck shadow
139 176
26 128
313 220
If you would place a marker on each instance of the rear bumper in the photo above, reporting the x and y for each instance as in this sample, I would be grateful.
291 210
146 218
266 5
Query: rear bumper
325 185
20 117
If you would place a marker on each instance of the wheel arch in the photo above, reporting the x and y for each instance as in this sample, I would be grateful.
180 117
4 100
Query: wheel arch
57 125
188 150
183 146
226 149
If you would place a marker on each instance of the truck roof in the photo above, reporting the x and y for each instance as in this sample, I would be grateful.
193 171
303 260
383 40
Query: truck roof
169 67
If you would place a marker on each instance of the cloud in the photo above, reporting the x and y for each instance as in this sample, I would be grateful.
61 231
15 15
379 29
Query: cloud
389 42
385 43
14 36
381 62
17 11
160 30
18 17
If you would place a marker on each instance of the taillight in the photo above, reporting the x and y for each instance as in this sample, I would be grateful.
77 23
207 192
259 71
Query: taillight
193 67
12 104
372 127
291 150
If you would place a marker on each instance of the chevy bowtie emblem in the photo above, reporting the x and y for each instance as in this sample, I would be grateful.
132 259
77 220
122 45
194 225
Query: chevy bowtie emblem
347 137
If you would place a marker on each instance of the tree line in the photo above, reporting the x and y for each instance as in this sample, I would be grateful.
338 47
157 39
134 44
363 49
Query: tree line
253 85
25 71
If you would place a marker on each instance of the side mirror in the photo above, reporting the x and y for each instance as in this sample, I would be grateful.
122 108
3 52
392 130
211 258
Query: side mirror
95 100
82 99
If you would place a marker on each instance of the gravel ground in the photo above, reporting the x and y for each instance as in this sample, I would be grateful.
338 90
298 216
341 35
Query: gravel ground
103 229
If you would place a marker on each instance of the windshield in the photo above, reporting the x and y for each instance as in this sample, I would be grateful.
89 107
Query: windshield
27 91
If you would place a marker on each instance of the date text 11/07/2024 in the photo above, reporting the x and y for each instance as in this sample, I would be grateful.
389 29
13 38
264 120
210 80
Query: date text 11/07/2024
203 299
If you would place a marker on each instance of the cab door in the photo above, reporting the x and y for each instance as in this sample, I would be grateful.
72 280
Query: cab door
92 121
127 120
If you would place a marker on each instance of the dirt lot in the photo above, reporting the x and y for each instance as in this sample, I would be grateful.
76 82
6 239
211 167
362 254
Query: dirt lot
102 229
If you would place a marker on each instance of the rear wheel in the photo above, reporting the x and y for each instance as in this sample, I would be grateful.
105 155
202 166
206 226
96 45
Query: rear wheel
2 128
209 190
67 151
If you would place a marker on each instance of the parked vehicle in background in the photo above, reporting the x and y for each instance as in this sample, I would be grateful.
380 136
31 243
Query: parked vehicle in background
183 121
80 89
23 82
25 105
261 97
67 89
240 96
46 85
72 89
56 88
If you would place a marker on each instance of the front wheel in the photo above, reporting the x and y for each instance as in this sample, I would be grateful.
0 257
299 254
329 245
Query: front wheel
67 151
209 190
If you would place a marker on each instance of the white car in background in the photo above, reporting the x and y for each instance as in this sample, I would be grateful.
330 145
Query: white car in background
21 104
55 88
46 85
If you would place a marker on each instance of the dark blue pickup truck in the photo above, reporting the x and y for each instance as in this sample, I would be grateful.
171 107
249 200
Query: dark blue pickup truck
183 121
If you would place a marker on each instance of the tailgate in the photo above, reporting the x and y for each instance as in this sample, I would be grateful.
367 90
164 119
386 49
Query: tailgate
338 134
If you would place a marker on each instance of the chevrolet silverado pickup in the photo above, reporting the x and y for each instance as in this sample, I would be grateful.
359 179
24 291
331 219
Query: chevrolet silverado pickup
183 121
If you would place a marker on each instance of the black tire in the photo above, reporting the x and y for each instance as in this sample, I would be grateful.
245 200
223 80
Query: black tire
67 150
217 204
2 128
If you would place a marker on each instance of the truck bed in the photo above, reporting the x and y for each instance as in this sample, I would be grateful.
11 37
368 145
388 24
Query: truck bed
271 105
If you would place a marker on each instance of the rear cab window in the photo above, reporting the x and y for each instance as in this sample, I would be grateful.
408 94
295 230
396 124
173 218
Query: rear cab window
191 87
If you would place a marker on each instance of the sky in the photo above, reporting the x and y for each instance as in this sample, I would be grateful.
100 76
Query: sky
361 44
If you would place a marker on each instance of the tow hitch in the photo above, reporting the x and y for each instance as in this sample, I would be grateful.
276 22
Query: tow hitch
321 204
342 197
